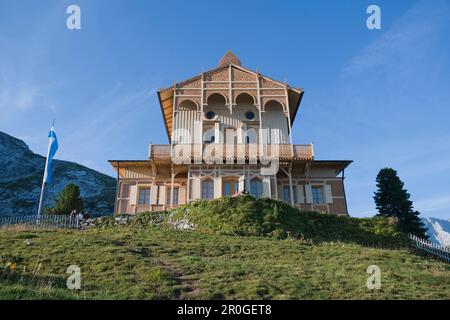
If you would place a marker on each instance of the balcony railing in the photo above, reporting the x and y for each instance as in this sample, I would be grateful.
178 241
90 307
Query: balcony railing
234 152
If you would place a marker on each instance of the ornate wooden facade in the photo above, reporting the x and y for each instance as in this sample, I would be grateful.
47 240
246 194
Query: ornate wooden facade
238 118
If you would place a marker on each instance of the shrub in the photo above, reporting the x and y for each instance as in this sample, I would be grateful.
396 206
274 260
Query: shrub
247 216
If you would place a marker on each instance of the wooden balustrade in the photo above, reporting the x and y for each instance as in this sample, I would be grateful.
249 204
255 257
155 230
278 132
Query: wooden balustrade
236 151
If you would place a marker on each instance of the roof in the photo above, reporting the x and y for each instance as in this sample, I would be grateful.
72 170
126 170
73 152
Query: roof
166 96
339 165
114 163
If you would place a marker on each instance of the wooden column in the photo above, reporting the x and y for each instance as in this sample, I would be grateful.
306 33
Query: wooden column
174 107
188 186
258 91
230 89
290 184
116 203
171 186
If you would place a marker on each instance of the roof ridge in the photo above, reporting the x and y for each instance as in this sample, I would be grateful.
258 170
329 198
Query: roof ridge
229 58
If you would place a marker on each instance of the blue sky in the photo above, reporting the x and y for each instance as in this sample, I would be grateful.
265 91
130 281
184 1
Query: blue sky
378 97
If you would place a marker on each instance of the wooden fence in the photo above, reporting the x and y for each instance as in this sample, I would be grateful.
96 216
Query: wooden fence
431 248
44 221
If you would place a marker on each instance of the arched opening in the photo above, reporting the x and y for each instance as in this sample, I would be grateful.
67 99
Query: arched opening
245 98
207 188
215 111
273 105
276 121
230 186
215 107
216 99
245 107
187 105
256 188
185 118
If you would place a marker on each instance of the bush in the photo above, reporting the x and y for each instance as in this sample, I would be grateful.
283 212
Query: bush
247 216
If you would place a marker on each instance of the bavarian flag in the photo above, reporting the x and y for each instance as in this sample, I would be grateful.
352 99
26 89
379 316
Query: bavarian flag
52 148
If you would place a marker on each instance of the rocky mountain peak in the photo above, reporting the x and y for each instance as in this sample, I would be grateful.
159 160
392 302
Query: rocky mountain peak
21 178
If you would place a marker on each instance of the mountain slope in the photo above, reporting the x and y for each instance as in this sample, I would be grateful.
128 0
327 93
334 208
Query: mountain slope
438 230
21 178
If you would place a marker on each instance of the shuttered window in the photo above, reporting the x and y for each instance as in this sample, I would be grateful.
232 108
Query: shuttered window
144 196
256 188
125 190
175 195
317 195
207 189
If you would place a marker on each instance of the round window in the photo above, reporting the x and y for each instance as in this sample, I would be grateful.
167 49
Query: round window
250 115
210 115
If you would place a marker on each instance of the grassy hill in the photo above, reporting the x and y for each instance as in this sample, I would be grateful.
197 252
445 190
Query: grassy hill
240 248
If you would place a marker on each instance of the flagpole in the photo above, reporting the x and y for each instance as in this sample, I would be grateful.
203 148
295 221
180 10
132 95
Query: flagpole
41 198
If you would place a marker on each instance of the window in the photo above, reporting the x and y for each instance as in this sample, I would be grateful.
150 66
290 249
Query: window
256 188
125 192
226 189
144 196
230 187
287 193
317 194
210 115
175 195
250 115
207 189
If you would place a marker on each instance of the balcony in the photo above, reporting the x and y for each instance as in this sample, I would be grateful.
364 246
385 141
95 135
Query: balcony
232 152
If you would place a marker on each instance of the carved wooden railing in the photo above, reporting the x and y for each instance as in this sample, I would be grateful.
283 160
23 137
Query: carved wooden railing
236 151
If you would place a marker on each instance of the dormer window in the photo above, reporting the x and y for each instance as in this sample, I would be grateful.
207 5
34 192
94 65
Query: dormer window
250 115
210 115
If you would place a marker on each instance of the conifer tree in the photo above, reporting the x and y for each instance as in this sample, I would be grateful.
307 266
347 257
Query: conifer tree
68 200
392 200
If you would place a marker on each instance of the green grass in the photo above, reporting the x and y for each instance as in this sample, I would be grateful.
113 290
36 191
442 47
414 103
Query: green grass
241 248
160 263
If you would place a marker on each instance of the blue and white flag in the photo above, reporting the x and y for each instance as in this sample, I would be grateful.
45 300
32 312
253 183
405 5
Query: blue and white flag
52 147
